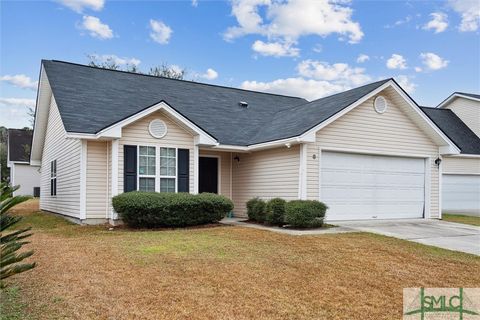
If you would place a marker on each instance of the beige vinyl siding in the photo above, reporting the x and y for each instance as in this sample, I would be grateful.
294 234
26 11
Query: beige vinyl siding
363 129
458 165
225 170
67 153
26 176
137 134
467 110
97 179
266 174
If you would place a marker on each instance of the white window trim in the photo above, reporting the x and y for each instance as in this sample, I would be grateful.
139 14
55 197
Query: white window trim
157 175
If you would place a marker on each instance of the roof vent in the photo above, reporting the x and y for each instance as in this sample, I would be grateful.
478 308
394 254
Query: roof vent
380 104
157 128
243 104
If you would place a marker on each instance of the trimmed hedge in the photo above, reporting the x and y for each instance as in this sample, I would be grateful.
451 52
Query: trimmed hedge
305 213
152 209
275 211
256 209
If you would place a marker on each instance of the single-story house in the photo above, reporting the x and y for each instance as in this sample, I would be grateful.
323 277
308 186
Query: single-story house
19 142
368 153
459 117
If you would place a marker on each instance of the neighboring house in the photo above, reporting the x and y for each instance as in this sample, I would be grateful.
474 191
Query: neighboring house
459 117
19 142
368 153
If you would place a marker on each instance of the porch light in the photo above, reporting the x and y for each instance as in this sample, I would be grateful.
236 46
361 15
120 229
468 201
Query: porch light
237 158
438 161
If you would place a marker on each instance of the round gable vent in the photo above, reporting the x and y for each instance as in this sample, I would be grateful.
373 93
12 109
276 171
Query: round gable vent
380 104
157 128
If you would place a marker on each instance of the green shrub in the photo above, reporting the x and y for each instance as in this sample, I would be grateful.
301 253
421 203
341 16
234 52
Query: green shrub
256 209
152 209
305 213
275 212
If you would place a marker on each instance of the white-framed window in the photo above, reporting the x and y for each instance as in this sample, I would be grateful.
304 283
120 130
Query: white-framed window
146 168
163 179
168 169
53 177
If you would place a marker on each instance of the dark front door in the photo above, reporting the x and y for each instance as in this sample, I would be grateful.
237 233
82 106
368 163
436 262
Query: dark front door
208 175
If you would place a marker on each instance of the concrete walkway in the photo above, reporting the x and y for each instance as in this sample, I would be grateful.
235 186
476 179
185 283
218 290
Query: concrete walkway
239 222
438 233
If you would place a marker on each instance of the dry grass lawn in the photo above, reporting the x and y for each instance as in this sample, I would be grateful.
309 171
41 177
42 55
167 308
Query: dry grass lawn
461 219
225 273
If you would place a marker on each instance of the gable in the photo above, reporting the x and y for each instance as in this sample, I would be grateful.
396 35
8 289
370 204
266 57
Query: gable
393 131
468 110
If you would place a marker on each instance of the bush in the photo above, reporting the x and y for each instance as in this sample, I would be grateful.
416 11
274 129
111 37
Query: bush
305 213
275 211
256 209
152 209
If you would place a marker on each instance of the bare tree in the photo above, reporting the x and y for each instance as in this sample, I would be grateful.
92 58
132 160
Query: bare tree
31 115
164 70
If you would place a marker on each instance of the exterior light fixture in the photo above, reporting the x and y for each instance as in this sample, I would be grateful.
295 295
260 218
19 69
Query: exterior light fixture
438 161
237 158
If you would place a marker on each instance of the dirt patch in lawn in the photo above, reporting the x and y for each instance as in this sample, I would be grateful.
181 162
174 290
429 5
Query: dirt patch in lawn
228 273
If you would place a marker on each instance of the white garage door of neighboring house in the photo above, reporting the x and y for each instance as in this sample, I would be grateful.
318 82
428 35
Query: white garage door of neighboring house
461 193
358 186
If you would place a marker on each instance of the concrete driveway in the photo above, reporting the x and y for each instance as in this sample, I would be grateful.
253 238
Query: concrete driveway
442 234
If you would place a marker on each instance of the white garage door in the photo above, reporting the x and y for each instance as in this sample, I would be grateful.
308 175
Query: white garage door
461 194
357 186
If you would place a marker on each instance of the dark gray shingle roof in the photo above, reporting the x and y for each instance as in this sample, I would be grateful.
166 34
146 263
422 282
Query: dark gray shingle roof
455 129
19 144
294 121
91 99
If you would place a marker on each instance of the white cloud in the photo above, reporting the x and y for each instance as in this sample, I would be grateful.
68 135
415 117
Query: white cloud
80 5
306 88
20 80
433 61
210 74
19 102
418 69
317 48
289 20
470 12
362 58
194 3
316 79
340 72
121 61
96 28
397 23
14 112
406 83
276 49
396 61
438 23
160 33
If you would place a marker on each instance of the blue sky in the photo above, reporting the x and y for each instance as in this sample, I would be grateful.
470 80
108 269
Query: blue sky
298 47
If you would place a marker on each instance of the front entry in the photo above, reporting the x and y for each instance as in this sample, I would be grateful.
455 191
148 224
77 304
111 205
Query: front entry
208 175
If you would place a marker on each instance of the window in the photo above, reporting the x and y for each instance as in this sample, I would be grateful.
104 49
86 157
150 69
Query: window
53 178
146 168
163 179
168 169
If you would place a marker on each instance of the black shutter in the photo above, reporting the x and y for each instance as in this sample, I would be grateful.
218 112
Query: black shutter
183 165
129 168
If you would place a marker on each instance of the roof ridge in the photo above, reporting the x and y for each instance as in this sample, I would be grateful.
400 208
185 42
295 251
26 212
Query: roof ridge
181 80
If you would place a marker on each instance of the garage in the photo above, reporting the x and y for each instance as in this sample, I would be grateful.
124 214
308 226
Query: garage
461 193
361 186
